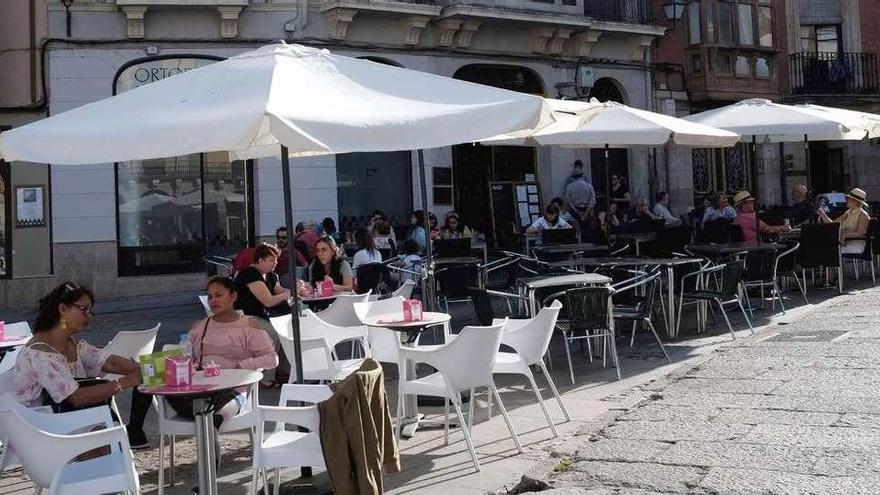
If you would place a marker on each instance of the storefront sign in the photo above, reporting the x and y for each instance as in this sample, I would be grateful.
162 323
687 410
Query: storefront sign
150 71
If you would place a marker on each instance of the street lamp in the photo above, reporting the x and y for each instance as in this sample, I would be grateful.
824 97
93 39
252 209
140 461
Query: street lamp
674 10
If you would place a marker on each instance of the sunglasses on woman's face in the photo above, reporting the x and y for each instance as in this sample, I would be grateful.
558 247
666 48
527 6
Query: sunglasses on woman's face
86 310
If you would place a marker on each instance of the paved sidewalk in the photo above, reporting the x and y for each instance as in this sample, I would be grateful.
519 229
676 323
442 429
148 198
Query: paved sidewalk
794 410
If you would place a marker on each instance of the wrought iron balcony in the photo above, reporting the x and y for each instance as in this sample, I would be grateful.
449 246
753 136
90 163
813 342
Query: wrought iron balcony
629 11
834 73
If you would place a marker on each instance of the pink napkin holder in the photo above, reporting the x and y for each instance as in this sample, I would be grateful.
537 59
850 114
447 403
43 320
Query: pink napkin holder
412 310
178 371
324 288
2 330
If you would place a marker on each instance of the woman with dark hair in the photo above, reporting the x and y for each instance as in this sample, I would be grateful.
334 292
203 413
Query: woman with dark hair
229 340
329 266
375 218
367 253
383 235
619 192
329 227
435 230
48 366
454 228
417 229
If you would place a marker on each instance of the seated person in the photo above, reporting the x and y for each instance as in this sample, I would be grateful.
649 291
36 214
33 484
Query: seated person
853 223
409 261
48 366
231 341
367 253
719 210
454 228
748 220
610 220
329 266
564 213
383 235
550 220
417 229
661 210
802 211
585 222
259 289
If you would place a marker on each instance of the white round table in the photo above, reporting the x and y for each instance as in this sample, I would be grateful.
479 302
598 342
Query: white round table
203 392
394 321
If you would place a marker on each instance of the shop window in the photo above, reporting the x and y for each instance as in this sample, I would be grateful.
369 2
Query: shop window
725 170
171 212
821 39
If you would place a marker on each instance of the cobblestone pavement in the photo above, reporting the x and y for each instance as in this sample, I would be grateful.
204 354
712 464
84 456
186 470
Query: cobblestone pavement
793 410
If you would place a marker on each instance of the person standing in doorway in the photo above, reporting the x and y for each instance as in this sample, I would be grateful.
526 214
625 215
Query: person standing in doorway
578 191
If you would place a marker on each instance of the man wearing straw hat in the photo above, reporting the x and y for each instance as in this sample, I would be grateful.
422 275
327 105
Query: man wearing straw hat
853 223
748 220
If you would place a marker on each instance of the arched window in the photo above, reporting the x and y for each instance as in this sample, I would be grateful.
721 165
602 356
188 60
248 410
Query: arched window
606 89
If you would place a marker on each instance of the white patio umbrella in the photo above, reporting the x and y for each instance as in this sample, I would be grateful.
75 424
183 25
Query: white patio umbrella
759 120
767 122
858 121
613 125
282 98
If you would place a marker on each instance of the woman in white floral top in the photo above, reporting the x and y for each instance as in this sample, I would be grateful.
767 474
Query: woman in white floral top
53 360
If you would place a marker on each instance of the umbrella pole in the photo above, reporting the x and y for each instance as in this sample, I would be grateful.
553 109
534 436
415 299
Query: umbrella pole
428 276
755 169
807 157
607 181
305 471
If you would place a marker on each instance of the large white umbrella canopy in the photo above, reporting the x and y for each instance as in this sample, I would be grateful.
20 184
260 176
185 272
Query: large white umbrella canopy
764 121
860 122
307 99
595 124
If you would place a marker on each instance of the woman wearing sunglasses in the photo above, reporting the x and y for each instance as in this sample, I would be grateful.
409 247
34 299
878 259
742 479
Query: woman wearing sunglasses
49 366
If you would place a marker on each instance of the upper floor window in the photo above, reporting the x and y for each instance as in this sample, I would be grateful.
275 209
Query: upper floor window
744 24
765 26
694 23
820 38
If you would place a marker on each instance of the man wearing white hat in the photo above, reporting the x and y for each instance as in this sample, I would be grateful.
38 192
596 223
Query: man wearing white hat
853 223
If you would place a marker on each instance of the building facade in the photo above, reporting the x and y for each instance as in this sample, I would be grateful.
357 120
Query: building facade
717 53
793 51
143 227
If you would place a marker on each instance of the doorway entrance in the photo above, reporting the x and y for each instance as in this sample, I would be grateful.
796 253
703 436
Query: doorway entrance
474 166
827 172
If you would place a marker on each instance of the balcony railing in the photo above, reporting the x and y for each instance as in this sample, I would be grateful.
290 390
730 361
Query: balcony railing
834 73
629 11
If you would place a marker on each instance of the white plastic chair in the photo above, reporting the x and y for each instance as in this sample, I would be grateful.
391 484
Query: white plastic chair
18 329
462 364
341 312
131 344
405 291
173 425
318 339
47 455
203 298
384 342
530 339
282 447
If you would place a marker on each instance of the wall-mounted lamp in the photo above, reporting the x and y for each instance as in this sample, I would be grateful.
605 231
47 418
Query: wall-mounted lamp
674 10
67 4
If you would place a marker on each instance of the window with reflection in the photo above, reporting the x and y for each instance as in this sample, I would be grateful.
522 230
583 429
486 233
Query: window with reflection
742 66
762 67
173 211
744 24
725 23
765 26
